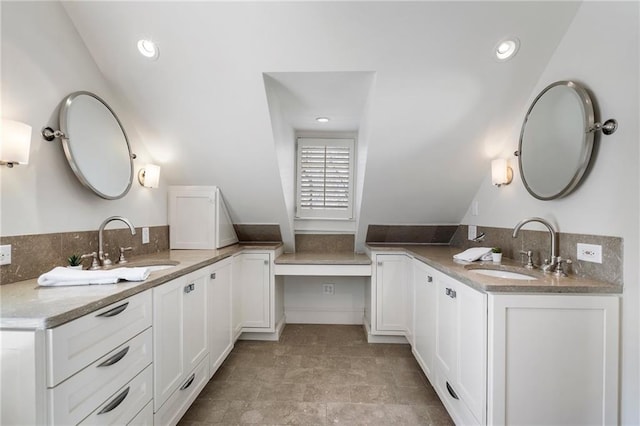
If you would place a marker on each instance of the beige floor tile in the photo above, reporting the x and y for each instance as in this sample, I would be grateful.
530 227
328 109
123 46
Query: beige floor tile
277 412
383 394
326 393
318 374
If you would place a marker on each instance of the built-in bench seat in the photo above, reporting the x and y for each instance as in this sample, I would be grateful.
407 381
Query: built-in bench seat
323 264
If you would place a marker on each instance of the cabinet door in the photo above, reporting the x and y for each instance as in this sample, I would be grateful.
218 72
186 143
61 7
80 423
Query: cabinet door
424 327
446 324
168 329
236 296
553 359
192 217
196 336
470 379
219 314
391 284
256 290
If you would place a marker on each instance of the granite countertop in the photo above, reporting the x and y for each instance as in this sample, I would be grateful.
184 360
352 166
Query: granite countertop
313 258
441 258
25 305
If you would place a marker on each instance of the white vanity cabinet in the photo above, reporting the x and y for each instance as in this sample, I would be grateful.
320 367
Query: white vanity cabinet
389 294
180 339
236 296
424 318
219 313
96 368
461 350
258 295
255 284
553 359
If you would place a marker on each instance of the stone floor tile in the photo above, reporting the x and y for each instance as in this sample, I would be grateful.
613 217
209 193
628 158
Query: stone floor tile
327 393
356 414
277 412
281 392
380 394
234 391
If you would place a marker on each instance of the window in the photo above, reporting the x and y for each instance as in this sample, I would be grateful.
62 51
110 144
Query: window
325 178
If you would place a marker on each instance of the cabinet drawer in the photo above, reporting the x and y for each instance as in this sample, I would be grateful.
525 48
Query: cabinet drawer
73 399
144 417
75 345
123 406
455 405
178 403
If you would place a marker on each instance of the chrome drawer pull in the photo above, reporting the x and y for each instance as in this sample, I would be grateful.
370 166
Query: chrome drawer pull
115 311
117 357
429 279
451 293
266 262
115 402
451 392
188 383
189 288
213 276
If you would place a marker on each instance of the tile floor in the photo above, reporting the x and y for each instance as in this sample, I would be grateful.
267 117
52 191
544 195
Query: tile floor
318 374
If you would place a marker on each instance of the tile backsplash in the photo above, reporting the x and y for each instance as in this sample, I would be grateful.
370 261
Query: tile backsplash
610 270
32 255
410 234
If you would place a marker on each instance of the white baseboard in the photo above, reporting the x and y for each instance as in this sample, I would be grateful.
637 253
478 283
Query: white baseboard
323 316
266 336
376 338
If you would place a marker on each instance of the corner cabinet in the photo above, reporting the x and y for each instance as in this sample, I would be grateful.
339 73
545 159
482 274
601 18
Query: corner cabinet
257 296
390 301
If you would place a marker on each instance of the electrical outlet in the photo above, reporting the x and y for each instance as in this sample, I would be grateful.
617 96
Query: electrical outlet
590 253
328 289
145 235
5 254
472 232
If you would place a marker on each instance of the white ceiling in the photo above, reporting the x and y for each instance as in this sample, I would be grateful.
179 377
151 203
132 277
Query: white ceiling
439 108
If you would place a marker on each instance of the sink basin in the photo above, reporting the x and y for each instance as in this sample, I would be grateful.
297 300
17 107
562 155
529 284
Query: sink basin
500 273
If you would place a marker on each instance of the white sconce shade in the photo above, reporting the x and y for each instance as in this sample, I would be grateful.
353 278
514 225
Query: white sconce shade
15 142
149 176
501 173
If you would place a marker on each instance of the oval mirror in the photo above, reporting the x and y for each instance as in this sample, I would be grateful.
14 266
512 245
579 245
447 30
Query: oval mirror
96 145
556 140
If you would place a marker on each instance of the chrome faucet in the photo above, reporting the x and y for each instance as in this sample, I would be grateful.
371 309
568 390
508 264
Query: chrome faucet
104 257
549 265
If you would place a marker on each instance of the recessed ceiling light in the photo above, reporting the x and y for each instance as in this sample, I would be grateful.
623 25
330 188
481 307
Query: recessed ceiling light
148 49
507 48
322 119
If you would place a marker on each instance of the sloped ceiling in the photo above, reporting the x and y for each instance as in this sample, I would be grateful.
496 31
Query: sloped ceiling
440 108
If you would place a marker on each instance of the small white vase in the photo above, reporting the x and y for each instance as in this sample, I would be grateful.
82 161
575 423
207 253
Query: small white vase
79 267
496 257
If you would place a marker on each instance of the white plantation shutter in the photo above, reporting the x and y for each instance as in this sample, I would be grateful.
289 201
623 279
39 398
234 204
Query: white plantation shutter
325 178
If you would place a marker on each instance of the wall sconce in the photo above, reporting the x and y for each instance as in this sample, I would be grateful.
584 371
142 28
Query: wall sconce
15 141
149 176
501 173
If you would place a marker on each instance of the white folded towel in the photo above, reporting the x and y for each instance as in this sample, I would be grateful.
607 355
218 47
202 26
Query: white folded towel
472 254
60 276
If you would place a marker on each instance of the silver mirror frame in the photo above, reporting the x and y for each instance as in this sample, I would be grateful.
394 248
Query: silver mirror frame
589 126
66 103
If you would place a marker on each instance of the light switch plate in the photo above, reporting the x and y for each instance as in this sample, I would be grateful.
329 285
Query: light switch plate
5 254
590 252
145 235
472 232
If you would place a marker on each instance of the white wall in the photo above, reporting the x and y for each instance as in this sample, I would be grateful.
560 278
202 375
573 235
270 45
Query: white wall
305 303
600 50
44 60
